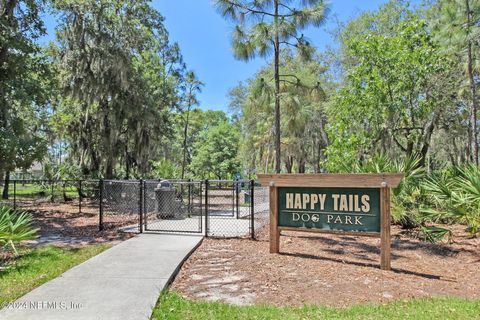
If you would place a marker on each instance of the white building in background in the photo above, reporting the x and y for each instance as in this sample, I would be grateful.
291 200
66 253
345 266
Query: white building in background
34 172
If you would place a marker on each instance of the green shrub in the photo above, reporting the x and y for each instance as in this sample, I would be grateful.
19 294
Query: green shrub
406 198
450 195
15 226
454 196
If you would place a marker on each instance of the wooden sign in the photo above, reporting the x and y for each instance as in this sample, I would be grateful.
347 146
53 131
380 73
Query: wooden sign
353 204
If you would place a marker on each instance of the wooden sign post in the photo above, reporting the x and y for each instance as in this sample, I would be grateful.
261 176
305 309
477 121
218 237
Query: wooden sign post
351 204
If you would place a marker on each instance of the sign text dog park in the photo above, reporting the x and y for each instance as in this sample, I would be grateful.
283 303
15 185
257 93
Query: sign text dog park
354 204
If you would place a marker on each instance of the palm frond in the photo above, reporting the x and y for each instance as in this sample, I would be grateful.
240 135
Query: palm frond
15 226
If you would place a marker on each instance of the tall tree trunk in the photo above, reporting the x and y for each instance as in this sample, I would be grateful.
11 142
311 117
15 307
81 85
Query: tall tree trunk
289 164
6 185
316 155
301 166
317 158
109 154
267 160
127 163
469 137
323 134
324 143
109 168
410 145
185 134
427 137
455 156
277 93
472 87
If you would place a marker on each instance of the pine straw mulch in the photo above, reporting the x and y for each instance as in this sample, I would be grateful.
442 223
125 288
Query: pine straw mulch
62 224
330 270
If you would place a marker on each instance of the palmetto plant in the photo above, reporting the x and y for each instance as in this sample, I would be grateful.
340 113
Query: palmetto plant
454 197
15 226
407 196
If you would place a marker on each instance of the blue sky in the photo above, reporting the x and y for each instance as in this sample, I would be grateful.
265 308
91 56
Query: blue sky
204 38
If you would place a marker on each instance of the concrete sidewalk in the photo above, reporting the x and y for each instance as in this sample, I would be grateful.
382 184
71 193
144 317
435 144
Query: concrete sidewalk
123 282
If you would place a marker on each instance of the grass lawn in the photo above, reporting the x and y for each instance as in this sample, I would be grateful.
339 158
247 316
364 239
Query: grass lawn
36 190
173 306
35 266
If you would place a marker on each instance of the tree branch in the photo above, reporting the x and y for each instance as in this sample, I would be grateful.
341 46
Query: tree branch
248 9
256 11
289 75
407 128
287 43
399 144
288 81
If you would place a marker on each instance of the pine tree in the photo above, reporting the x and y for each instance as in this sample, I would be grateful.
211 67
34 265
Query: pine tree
264 26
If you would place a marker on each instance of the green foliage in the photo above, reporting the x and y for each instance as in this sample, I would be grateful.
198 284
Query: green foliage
199 121
392 98
24 85
454 196
215 152
19 147
15 226
434 233
262 27
165 169
421 199
266 27
119 76
303 99
407 197
456 28
192 87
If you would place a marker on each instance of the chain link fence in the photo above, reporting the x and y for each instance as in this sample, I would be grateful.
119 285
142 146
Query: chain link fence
217 208
261 209
70 196
120 203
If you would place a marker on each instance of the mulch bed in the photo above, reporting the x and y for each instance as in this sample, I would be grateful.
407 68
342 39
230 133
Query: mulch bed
62 224
330 270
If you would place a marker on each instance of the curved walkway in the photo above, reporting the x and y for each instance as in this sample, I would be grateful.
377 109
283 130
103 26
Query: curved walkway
123 282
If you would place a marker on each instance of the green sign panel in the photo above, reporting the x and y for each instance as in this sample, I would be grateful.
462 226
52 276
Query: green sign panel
341 209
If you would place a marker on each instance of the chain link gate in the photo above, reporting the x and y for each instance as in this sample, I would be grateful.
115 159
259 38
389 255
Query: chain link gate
229 208
217 208
176 208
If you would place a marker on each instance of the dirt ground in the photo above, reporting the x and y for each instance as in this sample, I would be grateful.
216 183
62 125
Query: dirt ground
329 270
62 224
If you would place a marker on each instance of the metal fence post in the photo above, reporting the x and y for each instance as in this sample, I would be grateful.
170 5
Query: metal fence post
206 208
145 206
52 199
201 206
14 194
237 202
233 198
100 220
140 207
189 195
252 207
79 196
145 214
